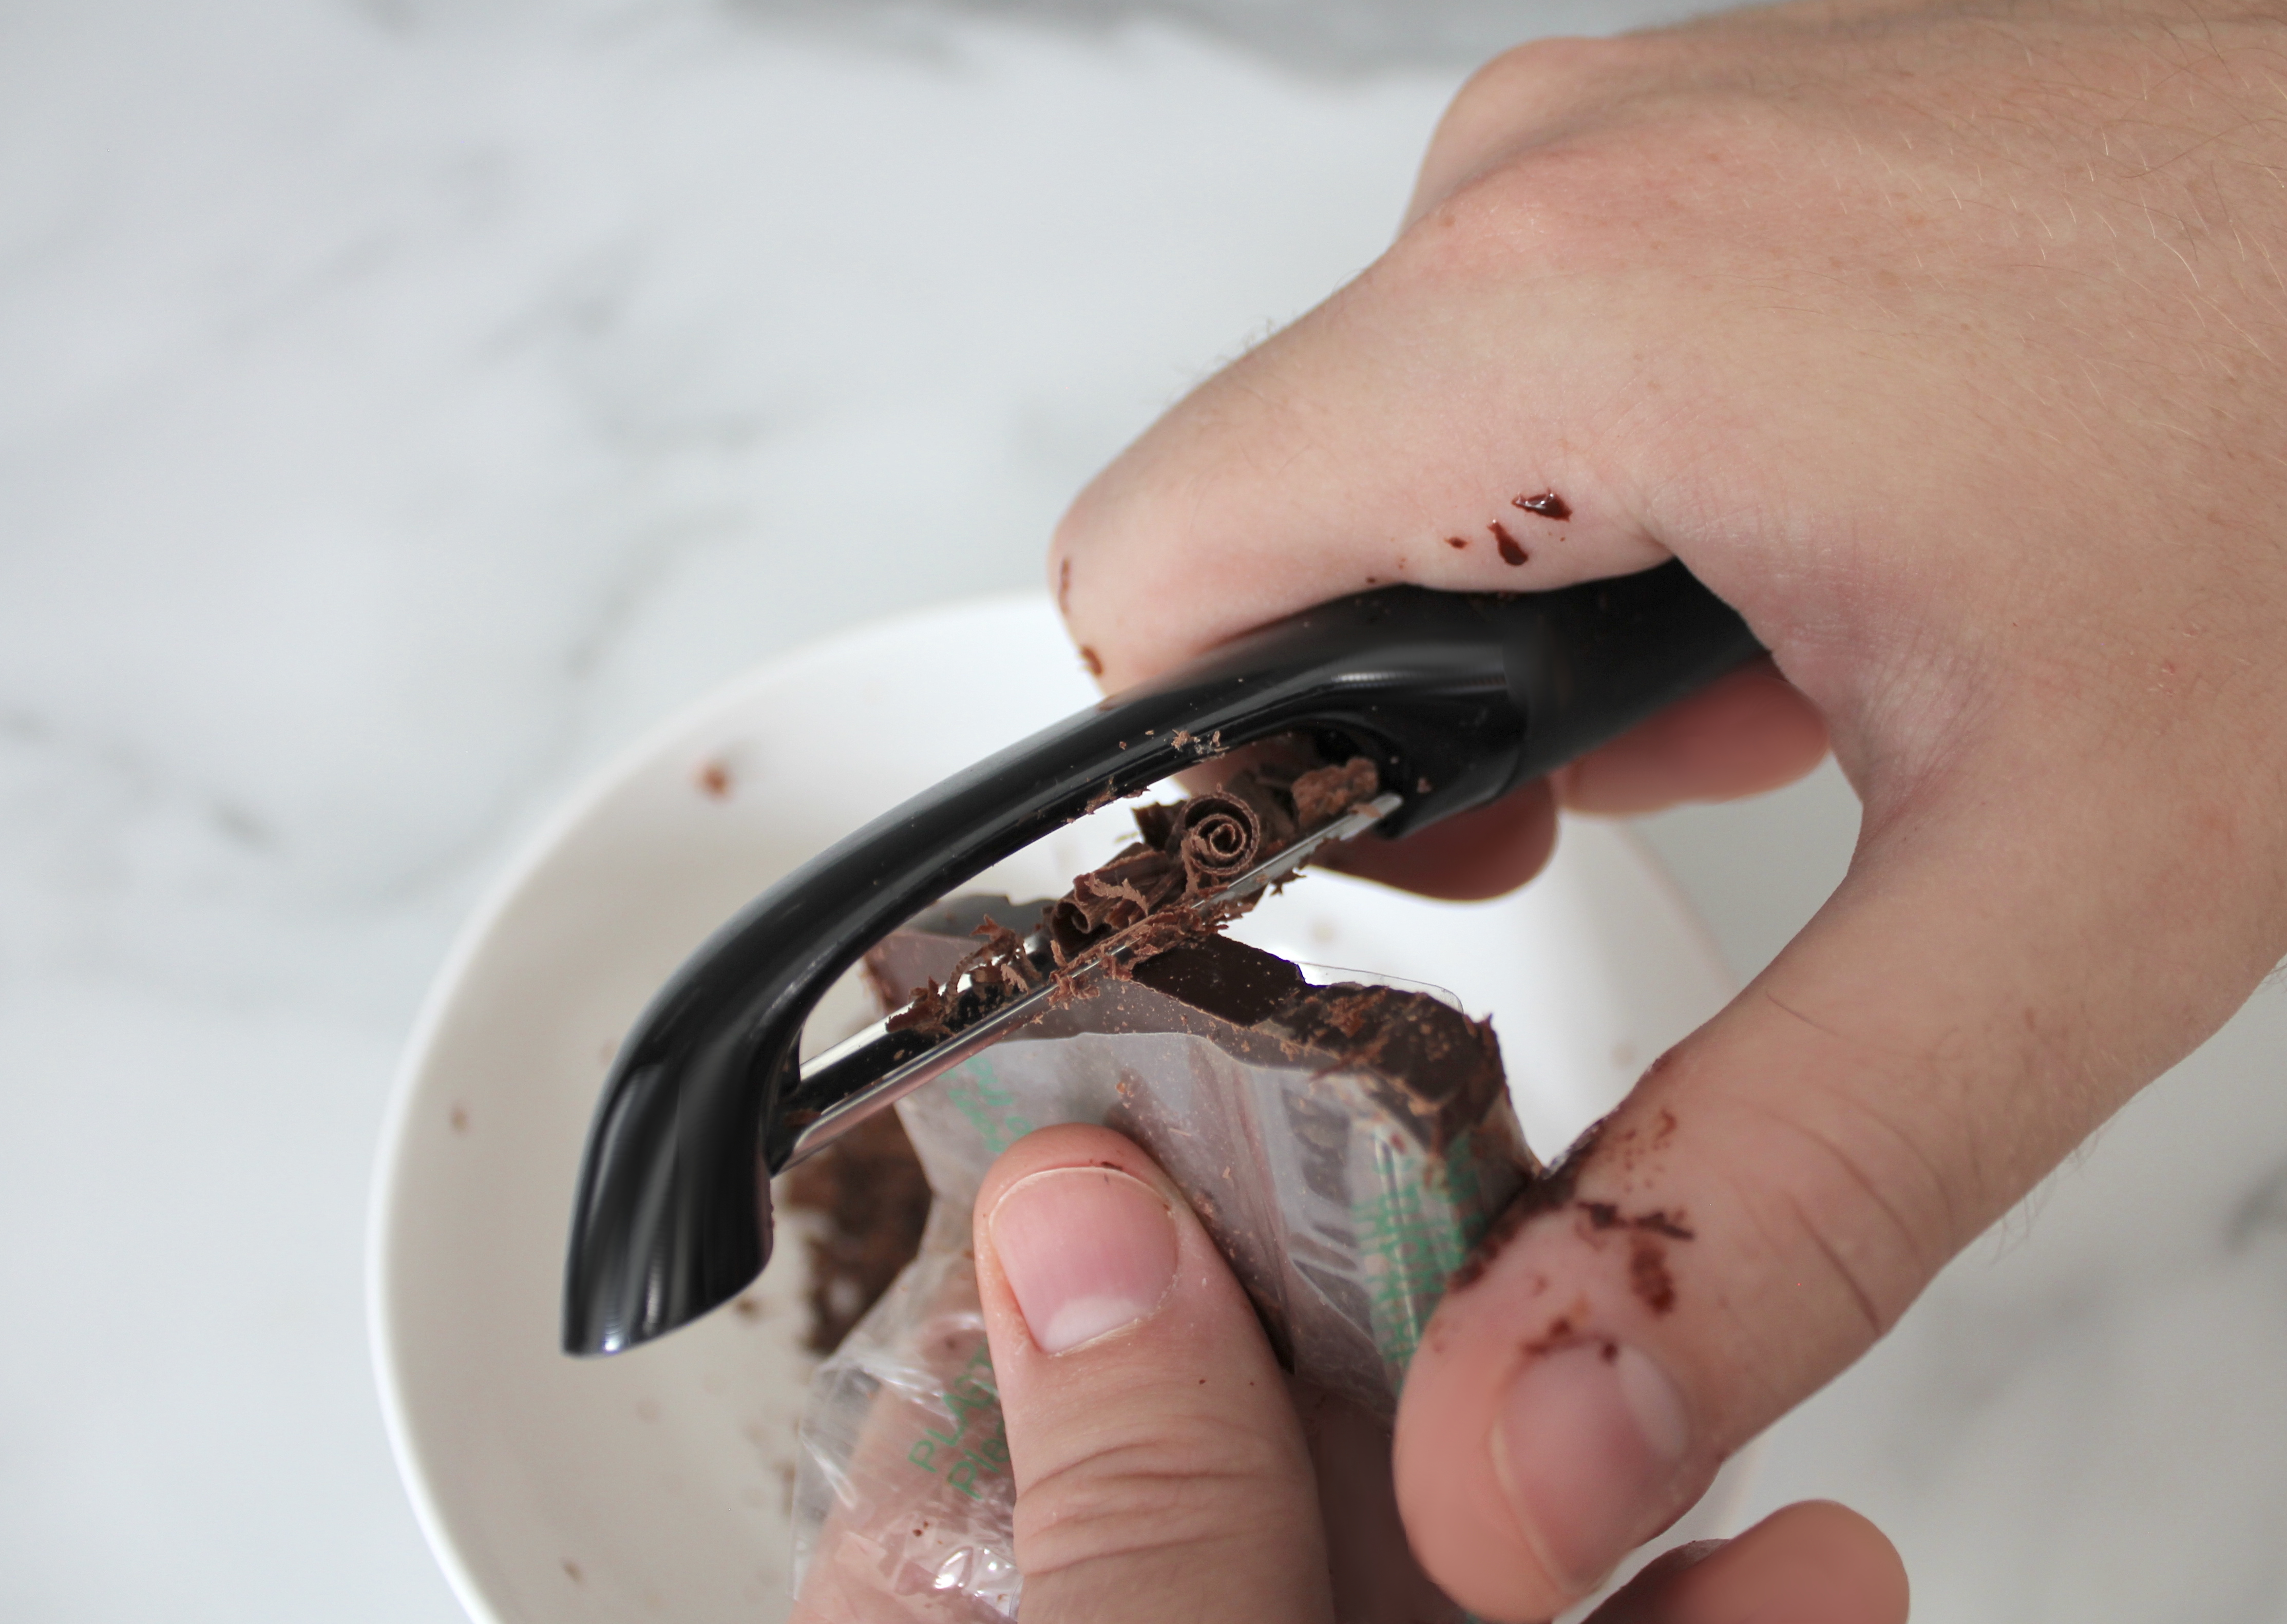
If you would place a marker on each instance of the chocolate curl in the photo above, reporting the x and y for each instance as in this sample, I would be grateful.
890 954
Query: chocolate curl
1138 882
1157 824
1194 849
1331 791
1217 837
1266 792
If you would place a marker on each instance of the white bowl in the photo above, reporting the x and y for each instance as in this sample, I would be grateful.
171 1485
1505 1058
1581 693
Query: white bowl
655 1484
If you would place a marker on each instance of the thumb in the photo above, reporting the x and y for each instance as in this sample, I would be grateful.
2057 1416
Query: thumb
1160 1470
1779 1188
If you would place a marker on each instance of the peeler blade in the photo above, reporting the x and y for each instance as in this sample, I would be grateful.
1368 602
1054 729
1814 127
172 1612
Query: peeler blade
873 1070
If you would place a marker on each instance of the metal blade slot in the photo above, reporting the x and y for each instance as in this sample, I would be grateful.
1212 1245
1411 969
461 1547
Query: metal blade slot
876 1067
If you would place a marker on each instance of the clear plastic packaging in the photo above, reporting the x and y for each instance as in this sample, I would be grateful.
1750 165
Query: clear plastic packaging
1342 1202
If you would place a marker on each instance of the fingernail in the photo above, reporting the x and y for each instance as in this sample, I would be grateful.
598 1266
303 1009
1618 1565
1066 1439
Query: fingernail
1088 1251
1587 1446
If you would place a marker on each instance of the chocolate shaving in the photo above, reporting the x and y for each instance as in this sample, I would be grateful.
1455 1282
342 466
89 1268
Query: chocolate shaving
1328 793
1217 837
1133 886
1157 824
1189 851
997 969
926 1010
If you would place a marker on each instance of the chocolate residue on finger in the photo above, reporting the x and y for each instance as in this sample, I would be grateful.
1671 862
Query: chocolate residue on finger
1088 658
868 1190
1511 552
1549 504
1648 1275
1552 1189
1457 542
1607 1215
715 780
1561 1331
1063 587
1557 1189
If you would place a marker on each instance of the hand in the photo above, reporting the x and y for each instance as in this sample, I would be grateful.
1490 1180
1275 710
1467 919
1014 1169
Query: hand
1940 341
1162 1472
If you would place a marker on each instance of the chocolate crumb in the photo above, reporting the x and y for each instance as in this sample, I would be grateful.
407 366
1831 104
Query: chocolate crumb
1457 540
715 780
1511 552
867 1186
1560 1332
1549 504
1648 1275
460 1118
1094 666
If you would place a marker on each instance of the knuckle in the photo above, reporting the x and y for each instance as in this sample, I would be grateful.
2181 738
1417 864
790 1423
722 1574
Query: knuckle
1181 1489
1522 100
1558 210
1862 1200
1530 81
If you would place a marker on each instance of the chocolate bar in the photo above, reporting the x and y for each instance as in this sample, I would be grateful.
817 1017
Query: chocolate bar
1345 1144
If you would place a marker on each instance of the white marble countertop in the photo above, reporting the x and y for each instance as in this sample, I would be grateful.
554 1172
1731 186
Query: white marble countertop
403 403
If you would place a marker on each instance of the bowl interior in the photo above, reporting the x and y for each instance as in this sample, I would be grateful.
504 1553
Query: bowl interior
656 1483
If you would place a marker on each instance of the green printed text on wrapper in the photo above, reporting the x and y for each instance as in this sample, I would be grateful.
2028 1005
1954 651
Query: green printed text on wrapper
963 1453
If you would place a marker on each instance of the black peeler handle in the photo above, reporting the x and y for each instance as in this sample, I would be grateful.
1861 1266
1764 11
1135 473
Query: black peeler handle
1458 699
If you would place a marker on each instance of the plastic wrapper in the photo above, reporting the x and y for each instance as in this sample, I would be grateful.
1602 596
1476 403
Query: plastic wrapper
1346 1145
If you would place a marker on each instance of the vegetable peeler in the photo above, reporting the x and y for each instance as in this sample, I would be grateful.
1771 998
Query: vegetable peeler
1456 698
